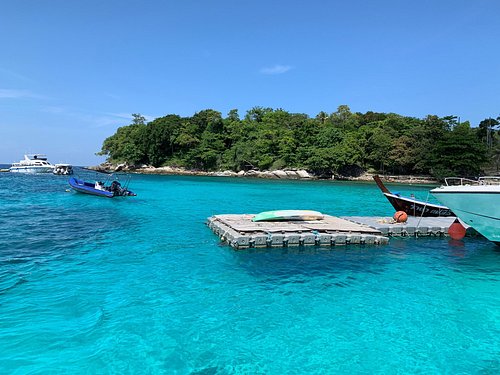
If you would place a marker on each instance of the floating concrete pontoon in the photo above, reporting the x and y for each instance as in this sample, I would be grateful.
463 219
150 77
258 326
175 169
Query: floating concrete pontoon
414 226
241 232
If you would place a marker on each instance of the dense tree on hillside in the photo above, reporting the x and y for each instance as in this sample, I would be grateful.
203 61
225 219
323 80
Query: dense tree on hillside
486 131
459 152
129 142
341 142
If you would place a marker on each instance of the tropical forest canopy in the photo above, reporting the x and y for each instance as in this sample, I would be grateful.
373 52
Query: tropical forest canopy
339 143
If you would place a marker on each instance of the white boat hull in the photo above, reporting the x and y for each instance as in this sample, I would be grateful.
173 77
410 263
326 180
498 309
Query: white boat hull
478 206
32 164
31 169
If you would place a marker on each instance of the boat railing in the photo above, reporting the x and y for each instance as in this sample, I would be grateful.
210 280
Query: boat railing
459 181
490 180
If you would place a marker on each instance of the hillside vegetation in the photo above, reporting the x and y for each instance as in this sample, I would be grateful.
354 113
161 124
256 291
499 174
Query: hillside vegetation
339 143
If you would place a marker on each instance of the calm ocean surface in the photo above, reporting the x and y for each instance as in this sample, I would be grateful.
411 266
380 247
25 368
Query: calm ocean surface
141 285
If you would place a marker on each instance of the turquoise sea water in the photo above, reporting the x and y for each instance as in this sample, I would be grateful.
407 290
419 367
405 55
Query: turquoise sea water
141 285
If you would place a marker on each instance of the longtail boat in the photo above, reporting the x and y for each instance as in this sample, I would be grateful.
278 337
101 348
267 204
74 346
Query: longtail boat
412 206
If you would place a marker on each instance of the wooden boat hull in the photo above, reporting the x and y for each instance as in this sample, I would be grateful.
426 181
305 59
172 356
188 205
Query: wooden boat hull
411 206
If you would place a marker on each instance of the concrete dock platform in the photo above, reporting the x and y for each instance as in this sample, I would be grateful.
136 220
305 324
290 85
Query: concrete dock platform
414 226
240 232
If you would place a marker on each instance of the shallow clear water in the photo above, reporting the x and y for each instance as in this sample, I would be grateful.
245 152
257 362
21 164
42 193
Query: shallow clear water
141 285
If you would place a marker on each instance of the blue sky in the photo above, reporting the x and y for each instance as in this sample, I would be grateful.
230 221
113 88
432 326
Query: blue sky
71 72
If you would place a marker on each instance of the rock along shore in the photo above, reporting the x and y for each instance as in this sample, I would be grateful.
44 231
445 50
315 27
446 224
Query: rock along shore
295 174
288 174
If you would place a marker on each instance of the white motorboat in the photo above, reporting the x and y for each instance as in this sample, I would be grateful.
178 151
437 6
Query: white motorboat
32 163
63 169
477 203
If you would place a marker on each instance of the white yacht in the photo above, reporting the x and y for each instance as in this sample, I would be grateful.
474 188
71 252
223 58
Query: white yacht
32 163
477 203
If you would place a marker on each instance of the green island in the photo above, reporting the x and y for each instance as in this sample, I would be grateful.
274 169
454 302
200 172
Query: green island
341 143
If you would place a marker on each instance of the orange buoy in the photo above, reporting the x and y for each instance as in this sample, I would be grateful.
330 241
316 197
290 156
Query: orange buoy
400 217
456 230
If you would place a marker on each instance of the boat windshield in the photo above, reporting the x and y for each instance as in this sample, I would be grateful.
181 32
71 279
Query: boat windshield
486 180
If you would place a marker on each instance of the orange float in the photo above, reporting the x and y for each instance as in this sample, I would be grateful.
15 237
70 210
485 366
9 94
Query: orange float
456 230
400 217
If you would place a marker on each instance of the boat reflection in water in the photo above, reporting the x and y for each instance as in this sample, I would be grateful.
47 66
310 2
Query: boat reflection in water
476 202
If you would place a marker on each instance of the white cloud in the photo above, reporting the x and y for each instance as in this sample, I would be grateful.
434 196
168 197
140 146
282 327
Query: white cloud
19 94
124 115
104 121
14 94
128 116
276 69
53 109
111 95
96 120
14 75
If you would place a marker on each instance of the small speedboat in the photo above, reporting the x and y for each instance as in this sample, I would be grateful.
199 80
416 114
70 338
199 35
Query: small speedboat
99 189
63 169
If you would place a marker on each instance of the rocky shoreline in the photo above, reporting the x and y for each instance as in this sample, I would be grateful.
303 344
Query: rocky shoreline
288 174
291 174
